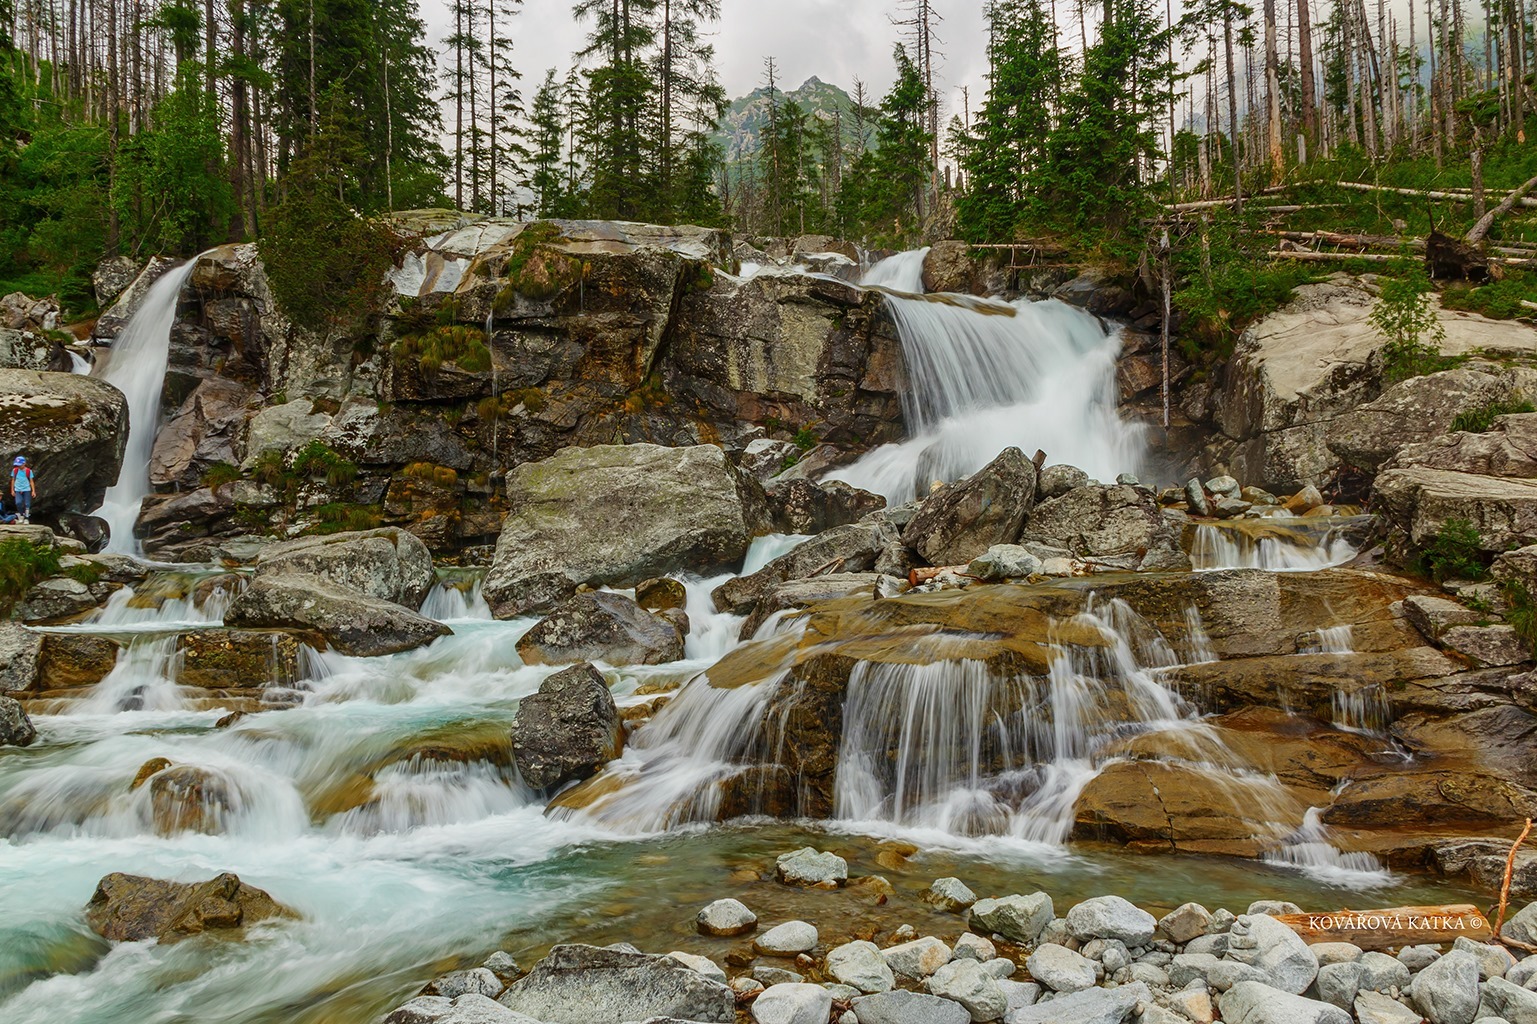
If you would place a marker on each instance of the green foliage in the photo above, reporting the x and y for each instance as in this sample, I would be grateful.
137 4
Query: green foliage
536 270
172 188
805 439
460 346
1521 612
219 474
22 565
885 189
1498 300
1477 421
1228 286
317 459
341 517
1454 553
1405 318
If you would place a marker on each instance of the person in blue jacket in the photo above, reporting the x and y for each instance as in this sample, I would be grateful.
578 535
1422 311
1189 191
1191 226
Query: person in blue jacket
23 487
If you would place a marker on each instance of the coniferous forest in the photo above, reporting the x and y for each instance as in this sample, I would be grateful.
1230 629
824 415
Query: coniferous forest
1239 148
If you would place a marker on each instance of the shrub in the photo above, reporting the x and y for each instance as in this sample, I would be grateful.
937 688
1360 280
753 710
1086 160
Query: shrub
1404 317
805 439
317 459
219 474
1521 612
1454 553
464 347
1478 421
340 517
23 564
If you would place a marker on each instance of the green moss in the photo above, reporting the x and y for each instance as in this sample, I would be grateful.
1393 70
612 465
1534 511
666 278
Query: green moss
456 345
1497 300
317 459
22 565
1521 612
805 439
219 474
535 269
341 517
1478 421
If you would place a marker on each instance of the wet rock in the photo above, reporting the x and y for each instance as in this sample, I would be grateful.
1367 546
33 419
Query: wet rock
566 731
1447 991
1487 646
616 515
1115 526
965 982
1110 917
765 458
1185 922
845 550
1090 1006
1522 926
578 984
601 626
389 563
810 867
351 622
1060 969
1019 919
793 1004
796 594
205 431
476 980
786 939
806 507
703 964
131 908
948 267
72 430
92 531
776 976
188 798
1250 1002
471 1008
235 659
60 599
974 947
1004 562
919 958
1195 497
1499 998
1055 481
15 727
661 594
949 894
966 518
860 965
21 652
725 917
903 1007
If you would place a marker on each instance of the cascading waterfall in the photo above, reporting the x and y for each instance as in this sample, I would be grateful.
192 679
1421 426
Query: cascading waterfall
985 375
136 366
1309 849
1276 545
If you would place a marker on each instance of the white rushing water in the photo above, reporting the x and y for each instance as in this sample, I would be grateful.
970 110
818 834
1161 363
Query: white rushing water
1278 546
985 375
136 366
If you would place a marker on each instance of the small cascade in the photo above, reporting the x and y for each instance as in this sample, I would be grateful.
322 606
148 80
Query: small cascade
985 375
431 791
1310 851
144 679
457 600
1364 709
78 363
1283 545
1331 640
136 366
168 601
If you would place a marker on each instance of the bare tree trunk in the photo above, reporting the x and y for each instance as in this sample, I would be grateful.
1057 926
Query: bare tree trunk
1232 110
1272 94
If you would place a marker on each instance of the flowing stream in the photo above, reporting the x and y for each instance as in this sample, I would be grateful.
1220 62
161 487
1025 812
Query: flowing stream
377 797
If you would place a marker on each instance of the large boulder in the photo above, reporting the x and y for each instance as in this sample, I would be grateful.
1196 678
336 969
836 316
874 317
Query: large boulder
566 731
16 728
963 520
847 549
71 428
21 651
129 297
236 659
599 626
615 515
206 430
1119 526
804 506
389 564
591 985
24 350
351 622
1253 1002
131 908
1421 409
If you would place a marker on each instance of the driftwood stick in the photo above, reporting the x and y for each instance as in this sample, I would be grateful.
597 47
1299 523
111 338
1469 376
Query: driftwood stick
1510 869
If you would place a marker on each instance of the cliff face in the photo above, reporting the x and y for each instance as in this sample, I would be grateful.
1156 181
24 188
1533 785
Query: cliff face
499 343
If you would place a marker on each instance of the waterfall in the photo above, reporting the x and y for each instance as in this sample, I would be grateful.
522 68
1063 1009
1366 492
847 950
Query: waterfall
136 367
1310 851
1266 544
457 601
985 375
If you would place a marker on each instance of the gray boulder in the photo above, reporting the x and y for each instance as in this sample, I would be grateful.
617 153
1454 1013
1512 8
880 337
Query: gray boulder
578 984
1250 1002
965 982
21 652
15 727
1004 562
1091 1006
810 507
796 1003
810 867
24 350
1110 917
786 939
566 731
963 520
859 964
949 894
725 917
1522 926
1380 972
902 1007
1055 481
350 622
1019 919
60 599
601 626
845 550
1378 1008
71 428
389 564
471 1008
1447 990
476 980
1185 922
615 515
1262 942
1060 969
1339 984
1115 527
919 958
1500 998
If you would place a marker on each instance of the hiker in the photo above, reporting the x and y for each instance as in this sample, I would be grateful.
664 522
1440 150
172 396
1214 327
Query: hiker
23 488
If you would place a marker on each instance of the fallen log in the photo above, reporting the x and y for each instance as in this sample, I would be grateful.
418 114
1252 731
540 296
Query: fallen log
1486 222
1517 197
1393 928
915 577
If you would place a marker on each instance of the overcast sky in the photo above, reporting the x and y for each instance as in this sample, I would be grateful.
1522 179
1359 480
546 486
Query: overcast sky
835 40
